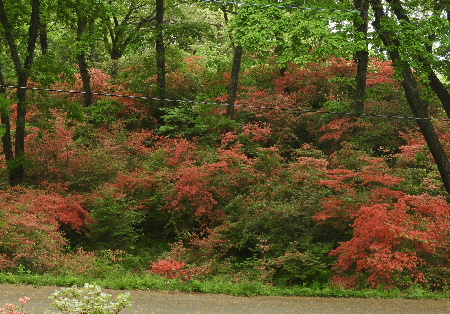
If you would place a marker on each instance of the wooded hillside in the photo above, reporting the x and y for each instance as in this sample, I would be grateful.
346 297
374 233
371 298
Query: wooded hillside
294 142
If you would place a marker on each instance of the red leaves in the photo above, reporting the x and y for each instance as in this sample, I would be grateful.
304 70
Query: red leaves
257 131
135 184
190 190
169 268
56 209
174 269
31 219
382 73
316 79
338 179
394 240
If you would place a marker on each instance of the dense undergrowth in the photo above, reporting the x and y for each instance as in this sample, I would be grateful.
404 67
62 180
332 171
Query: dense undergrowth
281 202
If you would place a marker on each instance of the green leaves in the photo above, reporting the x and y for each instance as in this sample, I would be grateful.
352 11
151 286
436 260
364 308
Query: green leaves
199 121
5 104
89 299
186 33
295 35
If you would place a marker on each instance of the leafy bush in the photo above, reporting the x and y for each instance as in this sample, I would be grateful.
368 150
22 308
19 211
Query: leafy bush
115 218
12 309
398 244
88 299
203 122
30 221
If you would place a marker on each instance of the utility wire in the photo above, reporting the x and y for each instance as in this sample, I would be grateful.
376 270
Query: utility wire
225 104
309 8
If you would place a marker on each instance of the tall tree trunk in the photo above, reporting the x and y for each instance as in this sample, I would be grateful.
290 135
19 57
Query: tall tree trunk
435 83
113 47
43 38
160 51
284 69
413 97
232 94
361 56
8 150
16 165
83 65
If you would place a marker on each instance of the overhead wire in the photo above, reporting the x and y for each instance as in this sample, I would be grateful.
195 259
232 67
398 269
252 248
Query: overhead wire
225 104
310 8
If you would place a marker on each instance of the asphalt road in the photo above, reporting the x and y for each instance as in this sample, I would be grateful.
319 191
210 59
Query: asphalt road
151 302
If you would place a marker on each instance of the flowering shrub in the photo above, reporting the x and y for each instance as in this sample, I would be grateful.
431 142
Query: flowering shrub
12 309
398 244
89 300
169 268
30 222
174 269
268 194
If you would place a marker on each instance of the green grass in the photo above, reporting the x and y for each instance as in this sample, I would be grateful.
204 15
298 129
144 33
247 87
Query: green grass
215 285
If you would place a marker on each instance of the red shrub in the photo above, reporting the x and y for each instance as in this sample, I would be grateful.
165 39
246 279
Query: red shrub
397 244
30 221
169 268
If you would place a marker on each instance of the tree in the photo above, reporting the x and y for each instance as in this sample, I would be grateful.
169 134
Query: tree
425 62
236 67
362 55
12 32
395 41
81 17
160 50
127 21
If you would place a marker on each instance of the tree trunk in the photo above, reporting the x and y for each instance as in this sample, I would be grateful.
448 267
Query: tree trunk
115 52
16 164
6 138
43 38
83 65
361 57
160 51
237 60
413 97
435 83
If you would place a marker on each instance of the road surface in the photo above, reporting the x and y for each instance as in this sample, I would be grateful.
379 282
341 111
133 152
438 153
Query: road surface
152 302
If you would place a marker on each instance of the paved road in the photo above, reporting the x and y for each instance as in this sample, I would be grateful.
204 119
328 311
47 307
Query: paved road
151 302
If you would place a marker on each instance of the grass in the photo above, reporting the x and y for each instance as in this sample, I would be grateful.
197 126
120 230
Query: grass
214 285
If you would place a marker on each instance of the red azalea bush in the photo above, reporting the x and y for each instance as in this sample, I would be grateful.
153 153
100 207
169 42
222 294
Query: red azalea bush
30 227
397 244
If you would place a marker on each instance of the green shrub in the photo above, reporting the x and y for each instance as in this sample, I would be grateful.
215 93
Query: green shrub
89 300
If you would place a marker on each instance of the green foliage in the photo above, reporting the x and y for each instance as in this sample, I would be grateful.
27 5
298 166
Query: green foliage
186 33
104 112
202 121
337 106
294 35
48 68
5 104
114 220
88 299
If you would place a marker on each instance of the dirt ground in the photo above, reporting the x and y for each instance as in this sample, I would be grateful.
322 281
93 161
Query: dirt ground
151 302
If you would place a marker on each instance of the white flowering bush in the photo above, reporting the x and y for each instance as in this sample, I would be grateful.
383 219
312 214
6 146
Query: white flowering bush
89 299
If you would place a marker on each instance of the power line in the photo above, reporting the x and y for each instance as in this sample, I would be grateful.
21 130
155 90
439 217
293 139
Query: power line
283 6
225 104
308 8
